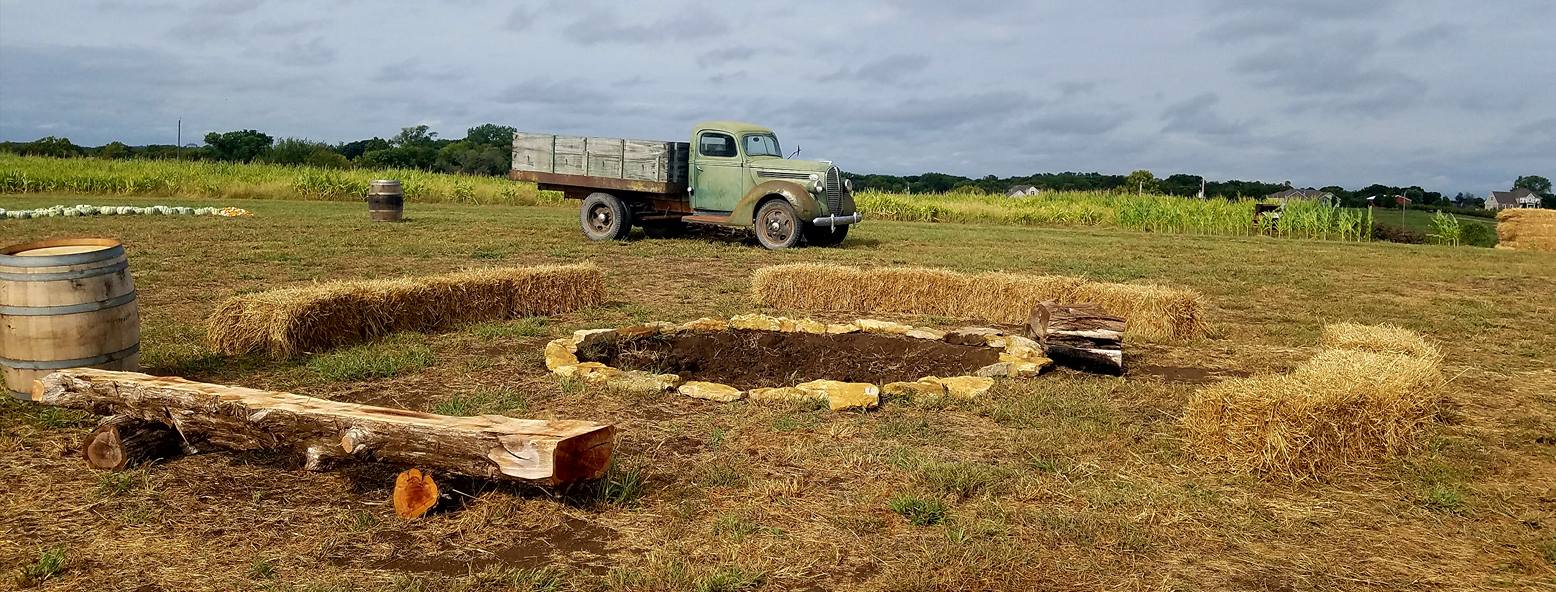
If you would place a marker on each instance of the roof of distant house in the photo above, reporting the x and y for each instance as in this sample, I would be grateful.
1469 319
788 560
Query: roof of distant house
1510 198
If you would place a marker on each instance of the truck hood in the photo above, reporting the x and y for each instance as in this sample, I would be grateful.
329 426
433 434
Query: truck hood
773 163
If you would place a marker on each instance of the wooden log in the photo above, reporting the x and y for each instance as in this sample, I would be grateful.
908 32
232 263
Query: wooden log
415 493
235 418
122 442
1079 336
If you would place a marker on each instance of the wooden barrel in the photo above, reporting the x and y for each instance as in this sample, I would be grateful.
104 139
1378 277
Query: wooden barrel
66 303
385 200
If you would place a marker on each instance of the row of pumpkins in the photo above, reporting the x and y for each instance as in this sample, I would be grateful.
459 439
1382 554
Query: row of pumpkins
86 210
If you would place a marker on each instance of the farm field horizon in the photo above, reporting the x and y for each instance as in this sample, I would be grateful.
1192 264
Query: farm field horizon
1063 482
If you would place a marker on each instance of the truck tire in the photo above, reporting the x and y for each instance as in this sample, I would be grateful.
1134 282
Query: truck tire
823 236
778 226
604 217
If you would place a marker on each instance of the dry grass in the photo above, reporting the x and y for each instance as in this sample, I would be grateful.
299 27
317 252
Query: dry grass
1526 230
1364 397
289 321
1153 313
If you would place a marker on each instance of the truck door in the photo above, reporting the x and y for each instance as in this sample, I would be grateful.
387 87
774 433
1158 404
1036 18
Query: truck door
719 175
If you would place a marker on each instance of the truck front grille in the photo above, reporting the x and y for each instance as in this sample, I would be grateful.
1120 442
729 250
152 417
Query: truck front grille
834 191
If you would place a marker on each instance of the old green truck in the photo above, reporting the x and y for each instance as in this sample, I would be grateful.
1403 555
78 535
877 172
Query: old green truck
731 174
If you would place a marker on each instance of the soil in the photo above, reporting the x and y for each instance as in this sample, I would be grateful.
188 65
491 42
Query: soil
754 359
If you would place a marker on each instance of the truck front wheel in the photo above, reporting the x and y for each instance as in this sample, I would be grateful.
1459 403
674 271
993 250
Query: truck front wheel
777 225
604 217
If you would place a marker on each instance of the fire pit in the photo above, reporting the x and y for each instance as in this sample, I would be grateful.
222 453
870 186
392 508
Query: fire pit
763 358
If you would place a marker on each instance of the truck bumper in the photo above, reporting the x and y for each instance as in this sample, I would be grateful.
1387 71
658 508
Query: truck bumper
830 221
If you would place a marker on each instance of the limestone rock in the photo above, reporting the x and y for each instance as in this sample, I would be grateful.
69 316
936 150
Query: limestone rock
844 395
705 325
711 391
560 352
646 383
841 328
965 387
926 333
786 393
590 371
755 322
883 327
584 338
996 369
637 331
809 326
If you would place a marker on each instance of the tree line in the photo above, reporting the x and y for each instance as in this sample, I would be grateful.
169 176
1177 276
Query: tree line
486 149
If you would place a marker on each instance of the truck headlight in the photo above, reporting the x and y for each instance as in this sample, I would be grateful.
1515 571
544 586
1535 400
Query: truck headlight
817 188
848 184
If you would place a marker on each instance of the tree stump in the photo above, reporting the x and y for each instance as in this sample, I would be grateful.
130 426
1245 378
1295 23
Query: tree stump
1079 336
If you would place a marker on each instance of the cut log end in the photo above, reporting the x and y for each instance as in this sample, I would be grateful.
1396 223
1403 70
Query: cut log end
415 493
121 442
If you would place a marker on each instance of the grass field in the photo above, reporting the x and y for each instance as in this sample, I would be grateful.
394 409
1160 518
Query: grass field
1064 482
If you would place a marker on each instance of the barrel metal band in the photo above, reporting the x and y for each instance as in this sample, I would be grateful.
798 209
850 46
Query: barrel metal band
65 275
46 311
77 363
57 260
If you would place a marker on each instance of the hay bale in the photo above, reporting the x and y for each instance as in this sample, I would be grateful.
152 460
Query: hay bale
289 321
1152 312
1382 339
1527 230
1363 399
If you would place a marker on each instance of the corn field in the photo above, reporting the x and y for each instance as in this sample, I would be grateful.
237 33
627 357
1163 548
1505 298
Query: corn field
1145 213
174 178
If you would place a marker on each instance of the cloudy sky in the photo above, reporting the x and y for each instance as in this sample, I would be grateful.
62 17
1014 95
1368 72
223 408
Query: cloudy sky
1451 95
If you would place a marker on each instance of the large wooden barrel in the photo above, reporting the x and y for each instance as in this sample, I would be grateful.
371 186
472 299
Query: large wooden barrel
66 303
385 200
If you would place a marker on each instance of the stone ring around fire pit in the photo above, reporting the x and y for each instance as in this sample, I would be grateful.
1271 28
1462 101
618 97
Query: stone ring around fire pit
759 354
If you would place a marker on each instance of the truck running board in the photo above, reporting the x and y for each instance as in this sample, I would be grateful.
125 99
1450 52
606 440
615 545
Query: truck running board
706 219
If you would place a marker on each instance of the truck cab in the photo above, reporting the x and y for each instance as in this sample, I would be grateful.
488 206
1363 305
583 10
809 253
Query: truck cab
731 174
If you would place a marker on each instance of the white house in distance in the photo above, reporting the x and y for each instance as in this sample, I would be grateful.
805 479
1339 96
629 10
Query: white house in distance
1022 191
1517 198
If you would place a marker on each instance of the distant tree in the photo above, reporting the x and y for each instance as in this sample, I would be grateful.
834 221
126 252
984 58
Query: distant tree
414 136
473 159
298 151
238 146
114 151
1181 184
1141 180
355 150
1534 183
491 134
403 157
51 146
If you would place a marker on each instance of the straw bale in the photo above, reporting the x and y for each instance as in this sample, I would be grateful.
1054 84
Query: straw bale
1527 229
1152 312
289 321
1363 398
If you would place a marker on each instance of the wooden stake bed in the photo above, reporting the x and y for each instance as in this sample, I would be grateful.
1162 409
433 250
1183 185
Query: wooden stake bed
235 418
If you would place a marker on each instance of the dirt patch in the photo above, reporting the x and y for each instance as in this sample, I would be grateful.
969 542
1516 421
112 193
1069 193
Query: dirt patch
753 359
1184 374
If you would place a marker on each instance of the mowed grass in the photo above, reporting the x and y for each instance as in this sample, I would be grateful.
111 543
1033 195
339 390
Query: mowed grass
1065 482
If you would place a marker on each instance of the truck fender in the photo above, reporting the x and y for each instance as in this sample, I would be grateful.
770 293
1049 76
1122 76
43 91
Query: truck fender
804 203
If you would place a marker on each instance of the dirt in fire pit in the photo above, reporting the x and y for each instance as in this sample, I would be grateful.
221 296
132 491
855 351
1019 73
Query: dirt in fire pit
753 359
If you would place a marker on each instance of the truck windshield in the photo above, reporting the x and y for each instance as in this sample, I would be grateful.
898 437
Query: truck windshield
763 145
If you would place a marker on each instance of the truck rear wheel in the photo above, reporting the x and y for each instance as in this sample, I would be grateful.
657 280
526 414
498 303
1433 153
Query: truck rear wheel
604 217
777 225
825 236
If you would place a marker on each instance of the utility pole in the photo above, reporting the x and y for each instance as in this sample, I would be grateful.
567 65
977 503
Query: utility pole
178 149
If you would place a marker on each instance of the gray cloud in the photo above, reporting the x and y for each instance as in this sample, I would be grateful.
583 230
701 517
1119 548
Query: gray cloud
1398 92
